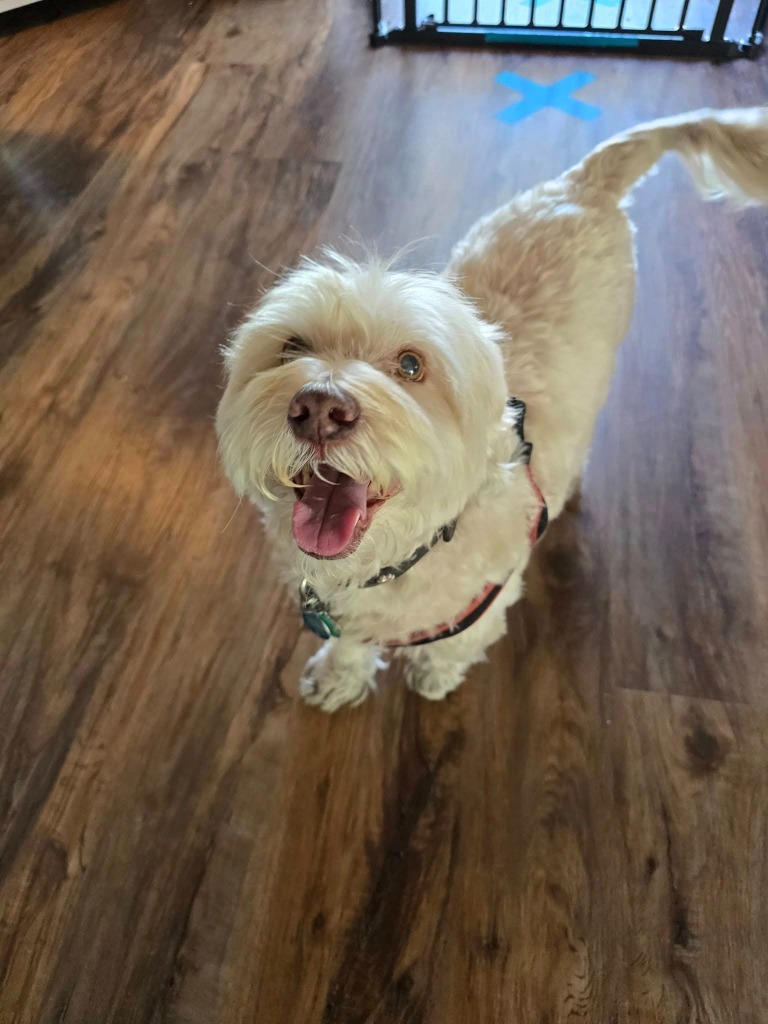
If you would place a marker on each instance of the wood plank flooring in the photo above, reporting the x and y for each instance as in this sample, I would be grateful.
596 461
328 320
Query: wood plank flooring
581 832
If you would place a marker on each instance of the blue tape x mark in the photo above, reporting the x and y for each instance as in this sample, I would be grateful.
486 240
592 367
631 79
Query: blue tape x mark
536 97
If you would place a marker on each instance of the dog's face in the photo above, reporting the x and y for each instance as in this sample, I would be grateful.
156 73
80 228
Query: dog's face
362 410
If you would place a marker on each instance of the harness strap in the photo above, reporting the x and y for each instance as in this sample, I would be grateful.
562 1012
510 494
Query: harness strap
477 608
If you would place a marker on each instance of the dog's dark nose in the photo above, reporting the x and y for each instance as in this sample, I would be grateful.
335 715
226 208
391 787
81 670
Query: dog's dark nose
322 412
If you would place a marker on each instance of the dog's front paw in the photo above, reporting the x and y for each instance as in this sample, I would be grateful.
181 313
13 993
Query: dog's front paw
330 681
434 682
331 692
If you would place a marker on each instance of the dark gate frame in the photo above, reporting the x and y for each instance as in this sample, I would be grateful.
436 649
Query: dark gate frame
679 42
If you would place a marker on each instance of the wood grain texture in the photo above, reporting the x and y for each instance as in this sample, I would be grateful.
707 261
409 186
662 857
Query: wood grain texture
579 833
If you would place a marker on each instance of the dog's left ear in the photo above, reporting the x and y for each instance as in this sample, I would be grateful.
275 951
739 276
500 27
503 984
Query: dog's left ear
232 428
251 349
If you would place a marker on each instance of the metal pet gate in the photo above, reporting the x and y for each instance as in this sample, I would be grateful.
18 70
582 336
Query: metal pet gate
716 29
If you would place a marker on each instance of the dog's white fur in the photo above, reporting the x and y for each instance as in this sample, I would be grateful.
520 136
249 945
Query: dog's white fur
534 302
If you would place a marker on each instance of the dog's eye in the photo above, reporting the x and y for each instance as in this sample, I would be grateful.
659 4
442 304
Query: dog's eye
294 348
410 366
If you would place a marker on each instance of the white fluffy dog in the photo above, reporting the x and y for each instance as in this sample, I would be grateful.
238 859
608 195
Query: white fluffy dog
366 409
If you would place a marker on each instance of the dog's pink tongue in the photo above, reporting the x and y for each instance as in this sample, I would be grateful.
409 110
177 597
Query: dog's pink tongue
325 517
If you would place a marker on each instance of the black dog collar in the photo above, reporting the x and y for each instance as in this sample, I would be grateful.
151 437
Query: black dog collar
316 613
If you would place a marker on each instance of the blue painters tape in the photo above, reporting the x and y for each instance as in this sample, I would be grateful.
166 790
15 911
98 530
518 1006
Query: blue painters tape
536 97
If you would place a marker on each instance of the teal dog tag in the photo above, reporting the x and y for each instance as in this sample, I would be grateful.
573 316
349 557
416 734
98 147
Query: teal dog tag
321 624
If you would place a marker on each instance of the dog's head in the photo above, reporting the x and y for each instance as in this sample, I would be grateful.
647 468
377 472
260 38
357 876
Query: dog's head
362 410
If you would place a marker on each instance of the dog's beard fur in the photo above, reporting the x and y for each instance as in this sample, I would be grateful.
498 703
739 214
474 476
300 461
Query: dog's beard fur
432 444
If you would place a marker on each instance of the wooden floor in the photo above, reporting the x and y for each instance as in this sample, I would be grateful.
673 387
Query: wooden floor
581 832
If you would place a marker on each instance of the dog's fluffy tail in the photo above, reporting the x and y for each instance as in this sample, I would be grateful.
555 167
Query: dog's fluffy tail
726 152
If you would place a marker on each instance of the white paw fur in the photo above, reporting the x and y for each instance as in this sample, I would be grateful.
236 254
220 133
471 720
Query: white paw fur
339 674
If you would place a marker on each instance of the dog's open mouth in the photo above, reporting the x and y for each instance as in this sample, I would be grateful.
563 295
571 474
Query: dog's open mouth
332 511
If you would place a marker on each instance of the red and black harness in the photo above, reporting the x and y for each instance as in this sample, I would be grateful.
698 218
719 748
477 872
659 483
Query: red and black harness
316 613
